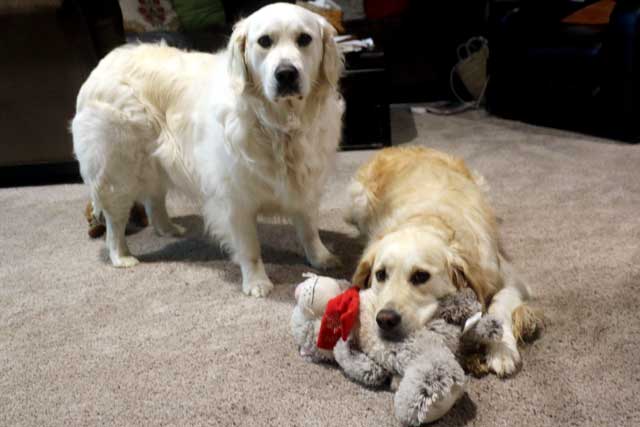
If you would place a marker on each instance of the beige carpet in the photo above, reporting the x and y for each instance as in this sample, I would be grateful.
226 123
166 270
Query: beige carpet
174 342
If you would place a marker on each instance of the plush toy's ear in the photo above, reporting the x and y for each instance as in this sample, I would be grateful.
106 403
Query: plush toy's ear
362 276
332 59
237 64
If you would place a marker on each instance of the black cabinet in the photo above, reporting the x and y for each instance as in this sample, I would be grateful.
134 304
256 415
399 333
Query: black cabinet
365 87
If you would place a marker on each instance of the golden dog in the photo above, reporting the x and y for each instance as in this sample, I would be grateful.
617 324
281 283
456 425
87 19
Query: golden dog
430 232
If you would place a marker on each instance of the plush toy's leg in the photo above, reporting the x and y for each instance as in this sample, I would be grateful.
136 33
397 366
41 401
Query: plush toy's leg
430 387
358 367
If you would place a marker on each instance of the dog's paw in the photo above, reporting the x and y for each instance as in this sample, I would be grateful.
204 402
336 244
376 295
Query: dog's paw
502 360
125 261
257 288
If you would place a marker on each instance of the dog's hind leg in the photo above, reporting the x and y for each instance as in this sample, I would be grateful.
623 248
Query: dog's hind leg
110 144
359 209
528 323
156 208
116 215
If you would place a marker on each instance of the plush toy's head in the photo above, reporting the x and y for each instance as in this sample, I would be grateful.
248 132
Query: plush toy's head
312 297
313 294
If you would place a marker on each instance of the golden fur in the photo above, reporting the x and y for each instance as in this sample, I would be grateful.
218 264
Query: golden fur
424 211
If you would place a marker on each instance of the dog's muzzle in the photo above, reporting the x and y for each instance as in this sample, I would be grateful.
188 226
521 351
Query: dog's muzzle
389 325
288 80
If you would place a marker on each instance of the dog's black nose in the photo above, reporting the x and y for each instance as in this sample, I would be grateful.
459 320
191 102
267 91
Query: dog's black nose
287 75
388 319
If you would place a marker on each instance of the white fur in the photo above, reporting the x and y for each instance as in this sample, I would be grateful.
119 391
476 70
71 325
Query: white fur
151 117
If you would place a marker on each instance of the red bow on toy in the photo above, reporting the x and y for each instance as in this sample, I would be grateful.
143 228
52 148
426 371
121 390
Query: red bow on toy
339 317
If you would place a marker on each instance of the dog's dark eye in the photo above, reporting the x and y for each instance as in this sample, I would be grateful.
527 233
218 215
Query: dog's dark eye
265 42
304 39
419 277
381 275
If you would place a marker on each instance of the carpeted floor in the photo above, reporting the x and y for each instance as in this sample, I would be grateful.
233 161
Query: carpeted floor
174 342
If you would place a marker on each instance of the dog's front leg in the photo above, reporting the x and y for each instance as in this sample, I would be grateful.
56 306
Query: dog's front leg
307 229
246 252
503 357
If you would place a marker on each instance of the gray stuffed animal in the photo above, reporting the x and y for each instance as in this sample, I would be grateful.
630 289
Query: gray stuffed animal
422 368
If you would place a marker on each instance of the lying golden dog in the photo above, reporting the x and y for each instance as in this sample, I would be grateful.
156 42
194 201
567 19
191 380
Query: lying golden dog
430 232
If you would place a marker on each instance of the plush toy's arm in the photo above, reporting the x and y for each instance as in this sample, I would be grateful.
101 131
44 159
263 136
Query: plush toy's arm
431 385
487 330
358 367
457 308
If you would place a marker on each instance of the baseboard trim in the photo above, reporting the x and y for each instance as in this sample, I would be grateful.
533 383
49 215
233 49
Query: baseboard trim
39 174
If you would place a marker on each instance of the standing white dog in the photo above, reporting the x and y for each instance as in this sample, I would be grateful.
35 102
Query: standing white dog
249 131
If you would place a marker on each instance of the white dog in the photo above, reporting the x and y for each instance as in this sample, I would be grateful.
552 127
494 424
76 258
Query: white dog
249 131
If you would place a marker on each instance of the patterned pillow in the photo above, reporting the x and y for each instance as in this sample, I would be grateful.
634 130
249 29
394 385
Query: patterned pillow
199 14
140 16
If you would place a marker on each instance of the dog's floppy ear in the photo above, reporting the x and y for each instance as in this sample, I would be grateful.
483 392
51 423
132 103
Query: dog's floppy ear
465 274
236 49
332 59
458 276
362 276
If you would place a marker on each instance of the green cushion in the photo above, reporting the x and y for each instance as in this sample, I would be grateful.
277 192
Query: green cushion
199 14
